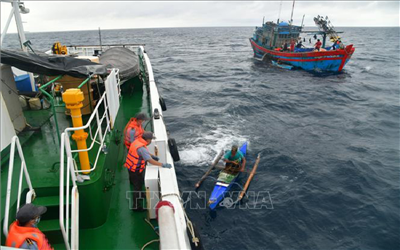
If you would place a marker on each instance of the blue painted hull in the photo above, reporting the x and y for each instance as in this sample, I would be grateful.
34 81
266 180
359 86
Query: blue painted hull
219 191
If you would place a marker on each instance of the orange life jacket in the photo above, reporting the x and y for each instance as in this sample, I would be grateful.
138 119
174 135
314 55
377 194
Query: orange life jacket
17 235
133 160
132 124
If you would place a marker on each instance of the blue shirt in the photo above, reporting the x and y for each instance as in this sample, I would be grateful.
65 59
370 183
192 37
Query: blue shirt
132 135
238 156
144 153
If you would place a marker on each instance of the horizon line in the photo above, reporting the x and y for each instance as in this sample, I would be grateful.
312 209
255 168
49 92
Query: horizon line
27 31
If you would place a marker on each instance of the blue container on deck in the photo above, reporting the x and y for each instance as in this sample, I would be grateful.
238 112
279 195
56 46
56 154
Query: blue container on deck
23 83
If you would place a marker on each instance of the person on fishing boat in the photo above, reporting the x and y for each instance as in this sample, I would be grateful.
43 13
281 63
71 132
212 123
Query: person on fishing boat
284 46
234 160
136 161
340 44
134 129
299 45
318 45
292 44
23 232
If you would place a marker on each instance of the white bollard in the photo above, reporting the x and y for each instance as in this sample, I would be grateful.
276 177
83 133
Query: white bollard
166 222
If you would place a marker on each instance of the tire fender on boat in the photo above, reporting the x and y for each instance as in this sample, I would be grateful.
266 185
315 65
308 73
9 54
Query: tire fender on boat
173 149
162 104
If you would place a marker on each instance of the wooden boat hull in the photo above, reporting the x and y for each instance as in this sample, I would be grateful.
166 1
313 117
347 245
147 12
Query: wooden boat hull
221 188
330 60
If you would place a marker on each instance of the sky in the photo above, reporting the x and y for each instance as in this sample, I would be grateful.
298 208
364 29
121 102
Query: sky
90 15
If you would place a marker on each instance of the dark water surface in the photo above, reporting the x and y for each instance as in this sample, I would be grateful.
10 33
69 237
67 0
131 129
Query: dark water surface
329 143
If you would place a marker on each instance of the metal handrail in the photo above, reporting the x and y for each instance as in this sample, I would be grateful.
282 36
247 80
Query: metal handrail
30 194
51 98
53 109
65 145
99 132
72 241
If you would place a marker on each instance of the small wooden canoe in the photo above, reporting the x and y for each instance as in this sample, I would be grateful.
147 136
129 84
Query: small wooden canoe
224 183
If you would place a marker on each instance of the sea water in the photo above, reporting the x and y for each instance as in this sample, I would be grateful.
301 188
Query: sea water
329 143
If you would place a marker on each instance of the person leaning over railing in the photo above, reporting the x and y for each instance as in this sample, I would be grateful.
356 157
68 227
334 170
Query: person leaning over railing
24 233
136 162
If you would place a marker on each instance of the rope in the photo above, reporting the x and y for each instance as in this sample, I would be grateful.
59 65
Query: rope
195 239
148 222
189 223
148 243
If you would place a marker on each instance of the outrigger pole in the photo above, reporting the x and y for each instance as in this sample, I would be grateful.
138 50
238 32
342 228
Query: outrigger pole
253 172
219 156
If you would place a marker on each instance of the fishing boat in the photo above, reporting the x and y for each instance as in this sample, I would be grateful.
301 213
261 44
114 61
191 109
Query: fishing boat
224 183
62 146
268 40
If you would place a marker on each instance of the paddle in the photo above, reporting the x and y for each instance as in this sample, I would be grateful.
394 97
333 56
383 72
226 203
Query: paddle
253 172
219 156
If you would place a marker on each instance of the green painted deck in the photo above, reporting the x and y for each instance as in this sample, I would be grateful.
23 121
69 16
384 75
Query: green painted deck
106 222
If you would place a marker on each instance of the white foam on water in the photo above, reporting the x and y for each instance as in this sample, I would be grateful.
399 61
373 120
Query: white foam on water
203 148
368 68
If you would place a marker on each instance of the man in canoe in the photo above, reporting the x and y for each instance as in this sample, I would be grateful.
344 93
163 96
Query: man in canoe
234 160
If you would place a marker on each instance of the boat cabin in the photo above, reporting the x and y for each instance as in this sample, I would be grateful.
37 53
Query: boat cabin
272 35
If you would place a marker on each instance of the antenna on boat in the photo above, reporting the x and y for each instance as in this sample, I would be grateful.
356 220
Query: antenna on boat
279 14
263 22
101 48
302 21
291 16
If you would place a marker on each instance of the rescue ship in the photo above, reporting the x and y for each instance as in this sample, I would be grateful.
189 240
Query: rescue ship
62 146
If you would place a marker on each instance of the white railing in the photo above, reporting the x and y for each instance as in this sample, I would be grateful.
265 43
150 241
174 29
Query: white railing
87 50
24 171
65 217
72 172
100 134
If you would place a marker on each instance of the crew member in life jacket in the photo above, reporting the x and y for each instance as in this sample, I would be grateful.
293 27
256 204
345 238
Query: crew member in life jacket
136 161
23 232
234 160
134 128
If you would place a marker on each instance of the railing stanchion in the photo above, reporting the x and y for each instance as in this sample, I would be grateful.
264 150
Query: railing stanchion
15 143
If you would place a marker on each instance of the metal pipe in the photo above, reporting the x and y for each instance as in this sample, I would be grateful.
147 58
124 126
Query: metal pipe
73 99
9 182
83 83
48 83
20 27
7 25
53 109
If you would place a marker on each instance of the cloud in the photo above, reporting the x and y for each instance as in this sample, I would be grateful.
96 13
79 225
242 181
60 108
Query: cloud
62 16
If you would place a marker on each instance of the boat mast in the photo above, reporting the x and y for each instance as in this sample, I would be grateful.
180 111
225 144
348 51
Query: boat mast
18 21
279 14
291 16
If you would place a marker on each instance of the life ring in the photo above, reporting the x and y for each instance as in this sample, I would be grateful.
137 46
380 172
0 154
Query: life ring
173 149
162 104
